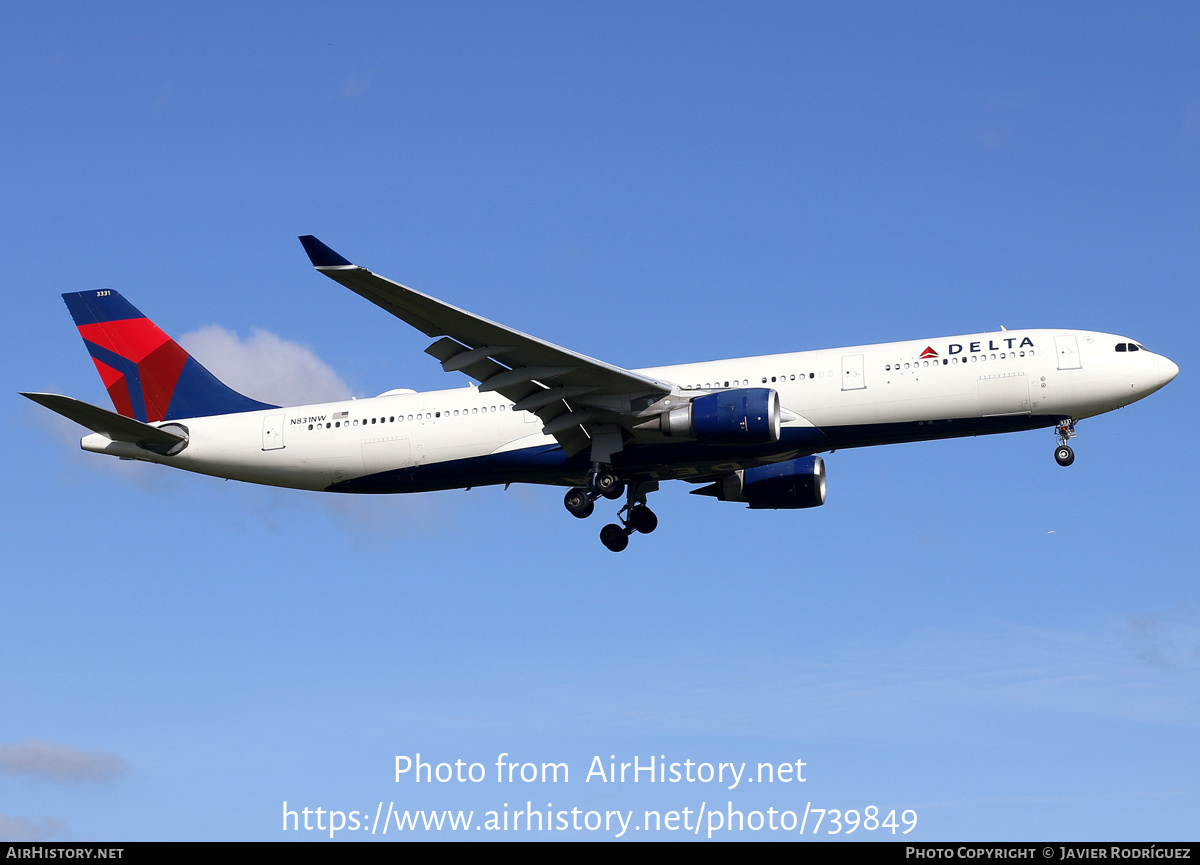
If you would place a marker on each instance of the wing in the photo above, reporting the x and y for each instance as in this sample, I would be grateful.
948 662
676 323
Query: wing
570 392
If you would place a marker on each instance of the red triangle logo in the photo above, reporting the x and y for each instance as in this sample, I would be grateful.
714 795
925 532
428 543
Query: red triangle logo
929 352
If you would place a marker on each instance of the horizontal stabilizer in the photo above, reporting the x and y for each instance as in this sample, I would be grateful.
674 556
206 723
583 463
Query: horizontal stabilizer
117 427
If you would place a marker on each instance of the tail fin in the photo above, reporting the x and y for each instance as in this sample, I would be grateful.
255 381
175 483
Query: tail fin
147 374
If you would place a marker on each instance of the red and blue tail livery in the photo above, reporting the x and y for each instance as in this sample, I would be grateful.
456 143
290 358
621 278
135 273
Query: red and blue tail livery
147 374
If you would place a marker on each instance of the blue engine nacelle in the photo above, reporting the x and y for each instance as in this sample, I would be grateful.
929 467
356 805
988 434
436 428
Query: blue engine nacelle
798 483
743 416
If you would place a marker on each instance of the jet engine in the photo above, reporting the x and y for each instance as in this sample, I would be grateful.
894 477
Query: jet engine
798 483
743 416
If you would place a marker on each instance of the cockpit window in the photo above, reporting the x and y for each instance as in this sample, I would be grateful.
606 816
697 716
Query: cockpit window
1121 346
1133 347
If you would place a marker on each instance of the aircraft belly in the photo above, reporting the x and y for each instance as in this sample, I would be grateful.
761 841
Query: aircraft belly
866 435
549 464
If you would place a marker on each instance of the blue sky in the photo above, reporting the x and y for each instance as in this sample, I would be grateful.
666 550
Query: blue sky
1008 648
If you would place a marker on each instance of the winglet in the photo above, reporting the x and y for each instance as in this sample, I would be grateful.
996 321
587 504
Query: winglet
321 255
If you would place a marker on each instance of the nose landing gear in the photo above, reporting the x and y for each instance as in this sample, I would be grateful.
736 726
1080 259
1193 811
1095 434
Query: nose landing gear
1063 455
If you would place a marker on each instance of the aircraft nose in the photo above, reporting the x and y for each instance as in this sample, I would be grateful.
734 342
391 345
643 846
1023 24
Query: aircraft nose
1167 370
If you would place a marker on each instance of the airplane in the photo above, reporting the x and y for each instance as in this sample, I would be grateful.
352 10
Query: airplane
746 430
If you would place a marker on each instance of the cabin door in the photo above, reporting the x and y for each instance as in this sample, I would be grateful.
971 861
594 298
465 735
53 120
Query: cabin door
852 372
272 432
1068 352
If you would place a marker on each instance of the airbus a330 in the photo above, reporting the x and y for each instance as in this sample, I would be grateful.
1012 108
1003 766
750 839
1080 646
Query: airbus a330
744 430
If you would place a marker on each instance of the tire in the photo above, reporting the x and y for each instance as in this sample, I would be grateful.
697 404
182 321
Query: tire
609 485
1064 456
614 537
643 520
577 502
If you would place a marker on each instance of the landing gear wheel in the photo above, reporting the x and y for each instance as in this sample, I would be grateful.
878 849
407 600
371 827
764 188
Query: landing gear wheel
643 520
578 503
614 537
608 484
1063 455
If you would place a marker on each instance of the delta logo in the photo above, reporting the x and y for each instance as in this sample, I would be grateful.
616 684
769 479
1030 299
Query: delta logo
928 352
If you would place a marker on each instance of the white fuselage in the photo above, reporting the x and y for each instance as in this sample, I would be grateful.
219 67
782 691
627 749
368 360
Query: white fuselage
900 391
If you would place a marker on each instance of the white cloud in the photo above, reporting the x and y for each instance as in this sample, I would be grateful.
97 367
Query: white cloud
28 829
265 367
47 760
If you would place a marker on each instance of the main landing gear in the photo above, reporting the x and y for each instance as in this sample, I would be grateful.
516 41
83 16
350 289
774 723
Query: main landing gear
580 501
634 516
1063 455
